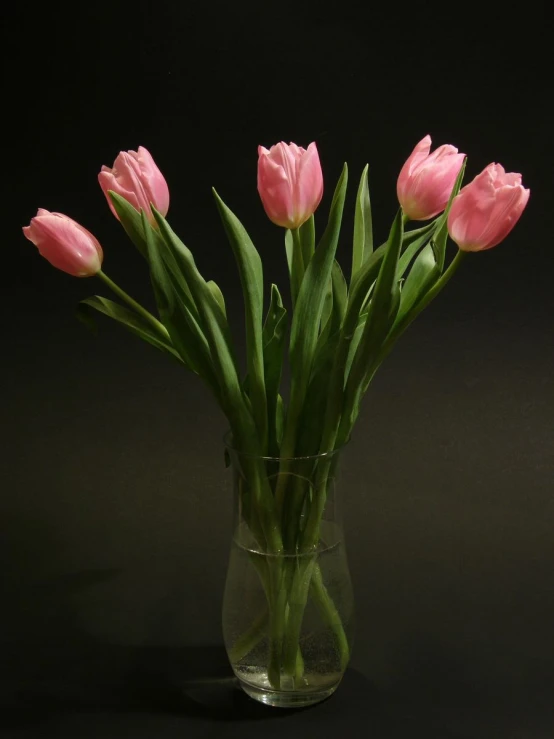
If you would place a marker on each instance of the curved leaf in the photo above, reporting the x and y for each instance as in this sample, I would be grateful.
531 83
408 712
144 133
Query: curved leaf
216 330
422 275
218 295
131 221
128 319
251 277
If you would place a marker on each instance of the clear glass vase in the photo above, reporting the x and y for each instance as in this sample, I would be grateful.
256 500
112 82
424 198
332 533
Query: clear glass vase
288 608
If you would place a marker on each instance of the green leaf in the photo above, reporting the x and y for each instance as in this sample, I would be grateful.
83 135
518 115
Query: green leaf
186 334
363 227
382 313
412 243
336 299
274 334
326 310
334 307
127 318
421 277
354 343
251 277
217 334
276 314
439 242
218 295
317 397
340 294
347 343
427 268
312 293
130 220
308 310
307 240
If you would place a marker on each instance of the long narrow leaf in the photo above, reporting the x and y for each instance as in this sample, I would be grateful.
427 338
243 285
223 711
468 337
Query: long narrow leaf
412 243
130 220
439 243
214 324
307 315
218 295
305 327
382 313
334 306
251 276
126 318
274 335
363 226
307 240
422 275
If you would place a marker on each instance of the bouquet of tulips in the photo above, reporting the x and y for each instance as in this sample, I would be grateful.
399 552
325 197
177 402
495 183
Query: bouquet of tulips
335 334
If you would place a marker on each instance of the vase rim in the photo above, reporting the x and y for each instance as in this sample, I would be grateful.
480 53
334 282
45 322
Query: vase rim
227 441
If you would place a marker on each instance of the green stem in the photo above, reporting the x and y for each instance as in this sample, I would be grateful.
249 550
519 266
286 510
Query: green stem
298 267
277 622
156 325
330 615
298 598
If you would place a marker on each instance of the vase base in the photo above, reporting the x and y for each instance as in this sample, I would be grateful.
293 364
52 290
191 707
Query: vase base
288 698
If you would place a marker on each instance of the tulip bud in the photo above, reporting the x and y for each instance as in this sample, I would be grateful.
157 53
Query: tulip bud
426 180
290 183
136 177
65 243
485 211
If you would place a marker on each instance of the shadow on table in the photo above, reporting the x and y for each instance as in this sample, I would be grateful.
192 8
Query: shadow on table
192 681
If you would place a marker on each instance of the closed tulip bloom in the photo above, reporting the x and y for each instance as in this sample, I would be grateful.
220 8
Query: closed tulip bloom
485 211
136 177
65 243
290 183
426 180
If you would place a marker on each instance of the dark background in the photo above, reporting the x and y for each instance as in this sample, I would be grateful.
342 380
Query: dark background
116 514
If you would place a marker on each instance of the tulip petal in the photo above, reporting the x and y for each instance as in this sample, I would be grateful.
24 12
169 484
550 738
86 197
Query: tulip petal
487 209
67 245
290 183
136 177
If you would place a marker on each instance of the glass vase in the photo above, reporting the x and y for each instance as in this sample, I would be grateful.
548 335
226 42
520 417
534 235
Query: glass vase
288 607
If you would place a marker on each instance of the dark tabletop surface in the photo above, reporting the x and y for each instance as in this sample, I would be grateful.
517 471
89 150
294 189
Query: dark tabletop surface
112 692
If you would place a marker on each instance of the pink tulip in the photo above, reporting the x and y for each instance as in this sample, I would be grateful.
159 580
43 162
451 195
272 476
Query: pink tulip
136 177
426 180
65 243
485 211
290 183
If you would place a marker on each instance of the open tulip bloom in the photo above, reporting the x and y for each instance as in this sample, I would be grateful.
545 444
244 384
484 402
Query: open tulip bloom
335 335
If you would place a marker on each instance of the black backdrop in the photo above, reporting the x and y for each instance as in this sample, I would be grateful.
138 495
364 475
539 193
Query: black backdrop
115 512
